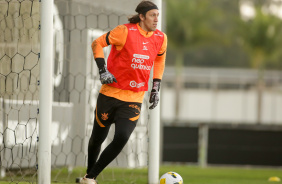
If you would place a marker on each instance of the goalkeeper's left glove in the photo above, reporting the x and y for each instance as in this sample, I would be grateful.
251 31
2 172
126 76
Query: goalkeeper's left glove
154 97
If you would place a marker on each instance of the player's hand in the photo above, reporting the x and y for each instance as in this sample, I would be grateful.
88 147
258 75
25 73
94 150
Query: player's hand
106 77
154 96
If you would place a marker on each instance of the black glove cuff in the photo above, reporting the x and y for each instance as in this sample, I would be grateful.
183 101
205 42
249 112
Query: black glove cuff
101 64
157 80
156 85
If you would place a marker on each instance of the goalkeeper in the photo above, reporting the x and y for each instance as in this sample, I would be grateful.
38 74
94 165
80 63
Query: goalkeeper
136 47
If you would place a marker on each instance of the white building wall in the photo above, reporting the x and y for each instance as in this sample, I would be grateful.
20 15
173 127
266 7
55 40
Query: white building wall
222 106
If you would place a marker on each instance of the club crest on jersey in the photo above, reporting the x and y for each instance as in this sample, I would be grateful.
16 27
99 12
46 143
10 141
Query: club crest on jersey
145 47
104 116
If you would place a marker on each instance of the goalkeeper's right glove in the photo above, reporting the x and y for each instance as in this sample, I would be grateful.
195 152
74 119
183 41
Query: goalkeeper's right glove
105 76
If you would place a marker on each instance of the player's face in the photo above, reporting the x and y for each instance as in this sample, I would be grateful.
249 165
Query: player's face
150 22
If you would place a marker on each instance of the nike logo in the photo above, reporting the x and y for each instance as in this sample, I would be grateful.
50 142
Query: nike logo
145 43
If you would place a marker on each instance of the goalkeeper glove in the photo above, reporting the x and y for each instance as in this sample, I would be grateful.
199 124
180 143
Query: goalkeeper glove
154 96
105 76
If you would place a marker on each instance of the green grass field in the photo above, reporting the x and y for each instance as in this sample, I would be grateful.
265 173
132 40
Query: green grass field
190 175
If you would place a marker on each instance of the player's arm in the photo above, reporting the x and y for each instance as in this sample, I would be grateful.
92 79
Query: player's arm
115 37
159 65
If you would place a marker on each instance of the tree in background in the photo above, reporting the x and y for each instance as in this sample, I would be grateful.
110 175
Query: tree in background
206 34
188 27
213 34
261 36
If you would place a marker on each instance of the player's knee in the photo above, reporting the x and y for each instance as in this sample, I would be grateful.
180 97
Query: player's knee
122 137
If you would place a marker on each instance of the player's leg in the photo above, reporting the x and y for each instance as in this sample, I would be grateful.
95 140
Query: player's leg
125 123
104 116
123 131
98 136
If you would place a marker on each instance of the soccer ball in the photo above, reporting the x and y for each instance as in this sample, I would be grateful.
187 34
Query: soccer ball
171 178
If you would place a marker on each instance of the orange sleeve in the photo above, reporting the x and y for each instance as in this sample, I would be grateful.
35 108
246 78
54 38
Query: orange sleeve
97 46
159 63
116 37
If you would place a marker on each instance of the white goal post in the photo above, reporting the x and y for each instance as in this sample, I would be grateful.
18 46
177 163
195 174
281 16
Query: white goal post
154 129
46 91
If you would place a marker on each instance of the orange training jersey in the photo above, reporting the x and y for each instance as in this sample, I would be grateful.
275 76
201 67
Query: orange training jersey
131 66
117 38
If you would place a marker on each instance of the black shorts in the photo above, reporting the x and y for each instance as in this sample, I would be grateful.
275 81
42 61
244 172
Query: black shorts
109 110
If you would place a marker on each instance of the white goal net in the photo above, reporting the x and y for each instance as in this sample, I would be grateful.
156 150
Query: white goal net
76 86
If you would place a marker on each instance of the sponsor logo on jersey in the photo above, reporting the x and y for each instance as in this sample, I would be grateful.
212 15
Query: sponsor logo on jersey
134 84
132 29
141 56
158 34
135 107
138 60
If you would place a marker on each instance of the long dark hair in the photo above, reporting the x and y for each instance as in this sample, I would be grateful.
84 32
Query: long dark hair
142 8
